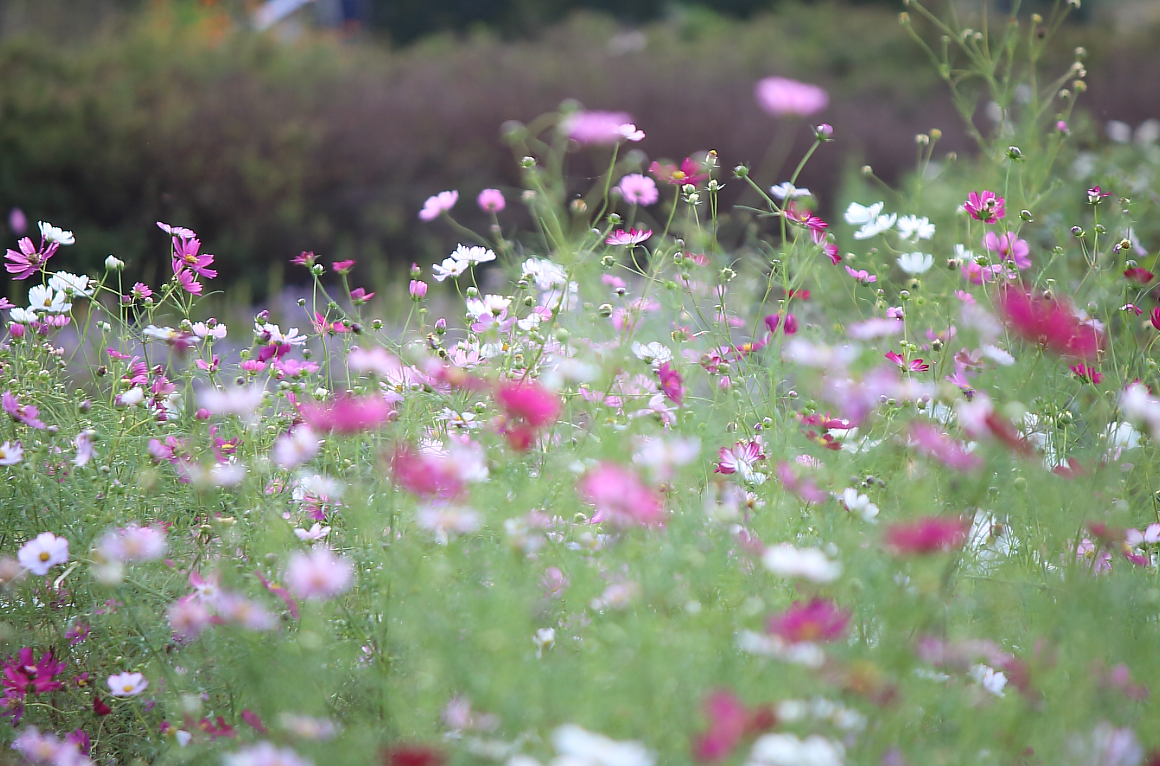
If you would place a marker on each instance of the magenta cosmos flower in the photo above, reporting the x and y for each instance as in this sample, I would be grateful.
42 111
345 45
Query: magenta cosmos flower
30 259
348 414
928 535
1046 321
819 620
986 206
781 96
186 256
620 497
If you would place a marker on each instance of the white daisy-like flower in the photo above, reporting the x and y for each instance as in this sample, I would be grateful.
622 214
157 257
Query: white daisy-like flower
787 190
544 273
653 353
451 267
48 300
473 255
55 234
810 564
879 225
71 284
860 215
915 263
912 227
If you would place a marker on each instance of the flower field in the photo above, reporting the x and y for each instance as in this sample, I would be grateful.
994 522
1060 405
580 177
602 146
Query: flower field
872 490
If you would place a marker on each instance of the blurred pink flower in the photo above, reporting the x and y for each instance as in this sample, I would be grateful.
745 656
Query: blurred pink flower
637 189
1010 248
630 237
932 443
438 204
781 96
318 575
620 497
491 201
819 620
347 414
929 535
600 127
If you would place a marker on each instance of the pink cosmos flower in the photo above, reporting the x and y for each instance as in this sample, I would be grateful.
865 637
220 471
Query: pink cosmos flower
426 475
596 128
874 327
1010 248
29 259
554 582
862 275
977 274
818 621
342 267
528 403
689 172
188 617
1139 276
1090 374
438 204
295 447
27 414
947 451
928 535
986 206
491 201
805 488
637 189
133 543
630 237
914 365
781 96
620 497
186 256
305 258
359 296
729 722
831 251
188 282
176 231
1046 321
672 384
347 414
742 458
1096 194
318 575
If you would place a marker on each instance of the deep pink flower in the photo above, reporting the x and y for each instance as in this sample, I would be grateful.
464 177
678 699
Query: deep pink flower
914 365
1046 321
491 201
186 256
1139 276
729 722
986 206
342 267
862 275
1010 248
672 384
347 414
944 449
426 475
818 621
359 296
977 274
188 282
690 172
928 535
1155 318
529 403
1090 374
305 258
29 259
630 237
741 458
620 497
781 96
1096 194
23 675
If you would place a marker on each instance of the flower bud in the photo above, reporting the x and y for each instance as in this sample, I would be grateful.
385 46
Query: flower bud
113 263
824 132
418 290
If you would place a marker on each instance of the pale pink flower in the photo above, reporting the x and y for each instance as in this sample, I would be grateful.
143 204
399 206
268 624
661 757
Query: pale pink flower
931 442
600 127
295 447
875 327
133 543
1010 248
265 754
438 204
630 237
318 575
637 189
862 275
42 553
188 617
781 96
127 684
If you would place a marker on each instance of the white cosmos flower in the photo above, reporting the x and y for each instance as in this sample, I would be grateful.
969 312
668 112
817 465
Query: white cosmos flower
473 255
810 564
54 234
788 191
492 305
879 225
859 504
42 298
451 267
654 353
71 284
23 316
915 263
860 215
912 227
544 273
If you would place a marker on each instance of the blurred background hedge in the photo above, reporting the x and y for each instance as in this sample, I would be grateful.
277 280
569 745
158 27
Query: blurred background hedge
267 144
